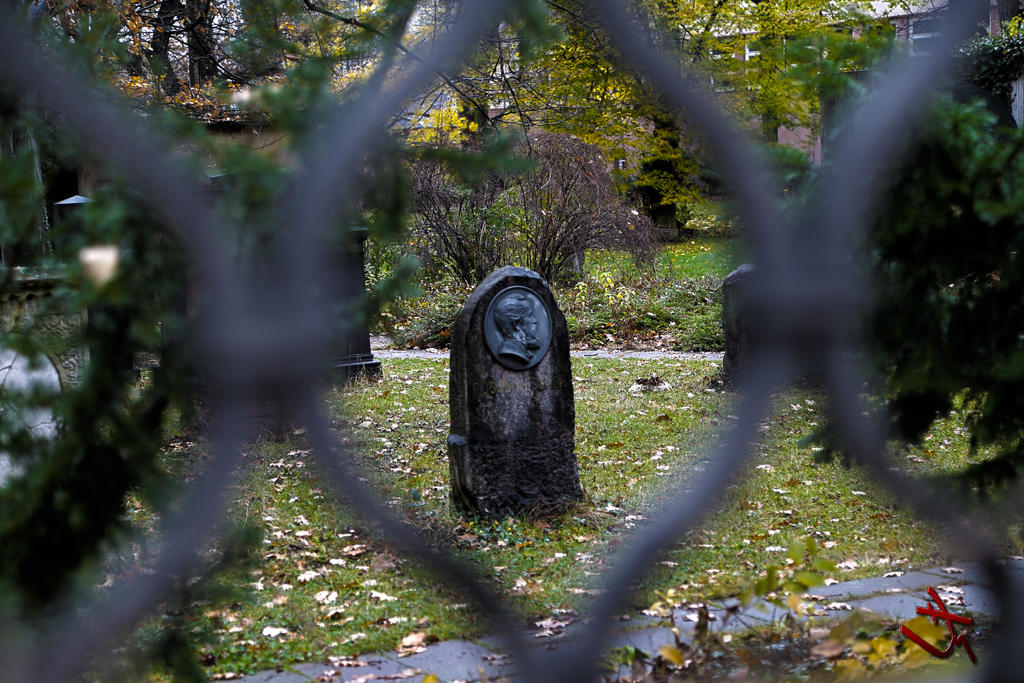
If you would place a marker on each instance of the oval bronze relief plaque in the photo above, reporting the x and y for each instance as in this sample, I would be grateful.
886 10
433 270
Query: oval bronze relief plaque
517 327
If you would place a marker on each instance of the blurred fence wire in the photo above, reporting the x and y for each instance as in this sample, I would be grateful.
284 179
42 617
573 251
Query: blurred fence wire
808 299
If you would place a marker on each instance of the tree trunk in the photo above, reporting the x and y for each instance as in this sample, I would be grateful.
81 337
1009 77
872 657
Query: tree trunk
160 44
201 65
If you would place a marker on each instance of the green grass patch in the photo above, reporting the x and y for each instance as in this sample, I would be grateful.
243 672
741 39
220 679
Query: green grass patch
326 585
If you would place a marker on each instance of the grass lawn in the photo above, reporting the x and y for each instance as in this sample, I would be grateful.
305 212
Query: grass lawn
322 584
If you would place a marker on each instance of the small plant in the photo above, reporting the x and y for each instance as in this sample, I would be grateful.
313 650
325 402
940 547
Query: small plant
782 587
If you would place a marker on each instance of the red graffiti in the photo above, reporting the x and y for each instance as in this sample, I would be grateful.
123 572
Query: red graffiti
954 638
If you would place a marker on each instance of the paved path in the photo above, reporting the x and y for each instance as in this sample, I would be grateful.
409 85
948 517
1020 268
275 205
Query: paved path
458 660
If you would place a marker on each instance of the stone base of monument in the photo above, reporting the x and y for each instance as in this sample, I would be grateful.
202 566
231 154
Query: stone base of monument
511 447
357 366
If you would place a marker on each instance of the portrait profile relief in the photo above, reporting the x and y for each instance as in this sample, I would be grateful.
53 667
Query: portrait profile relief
517 328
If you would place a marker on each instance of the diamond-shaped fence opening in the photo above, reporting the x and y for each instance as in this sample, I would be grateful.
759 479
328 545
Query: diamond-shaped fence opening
262 334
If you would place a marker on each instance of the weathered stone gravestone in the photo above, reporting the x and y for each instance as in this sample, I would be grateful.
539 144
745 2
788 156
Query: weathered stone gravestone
26 304
736 328
511 448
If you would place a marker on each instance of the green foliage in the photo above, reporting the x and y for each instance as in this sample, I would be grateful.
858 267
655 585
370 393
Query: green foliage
426 321
66 502
63 512
783 586
946 255
994 62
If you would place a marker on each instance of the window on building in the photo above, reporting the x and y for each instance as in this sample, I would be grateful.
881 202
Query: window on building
924 34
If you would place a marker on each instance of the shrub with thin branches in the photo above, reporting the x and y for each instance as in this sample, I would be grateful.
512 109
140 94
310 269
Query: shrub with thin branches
545 219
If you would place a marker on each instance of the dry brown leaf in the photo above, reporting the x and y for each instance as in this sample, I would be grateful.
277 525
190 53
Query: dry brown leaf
346 661
381 563
496 659
829 649
412 644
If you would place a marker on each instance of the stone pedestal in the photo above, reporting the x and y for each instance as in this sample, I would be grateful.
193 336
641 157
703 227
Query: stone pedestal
511 447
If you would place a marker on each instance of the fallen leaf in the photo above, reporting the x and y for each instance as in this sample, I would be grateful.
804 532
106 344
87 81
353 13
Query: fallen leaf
849 670
496 659
412 644
275 631
837 606
381 563
553 623
830 649
326 597
401 675
346 661
672 654
527 587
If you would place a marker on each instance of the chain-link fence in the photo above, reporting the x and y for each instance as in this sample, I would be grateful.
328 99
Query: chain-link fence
808 300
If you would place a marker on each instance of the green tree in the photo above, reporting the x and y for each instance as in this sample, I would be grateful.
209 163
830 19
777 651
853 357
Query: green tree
946 255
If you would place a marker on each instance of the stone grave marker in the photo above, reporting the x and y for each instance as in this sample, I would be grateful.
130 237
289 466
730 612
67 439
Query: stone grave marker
27 303
511 447
739 339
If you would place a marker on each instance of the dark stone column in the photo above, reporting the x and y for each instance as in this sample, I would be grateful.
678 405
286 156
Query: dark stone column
350 349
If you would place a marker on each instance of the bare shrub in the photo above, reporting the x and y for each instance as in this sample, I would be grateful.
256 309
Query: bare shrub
461 229
545 219
571 206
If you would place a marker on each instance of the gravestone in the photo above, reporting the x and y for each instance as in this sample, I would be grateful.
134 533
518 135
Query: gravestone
28 304
511 447
735 326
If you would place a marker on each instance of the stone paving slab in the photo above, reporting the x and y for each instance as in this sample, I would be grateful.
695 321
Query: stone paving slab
897 597
379 666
